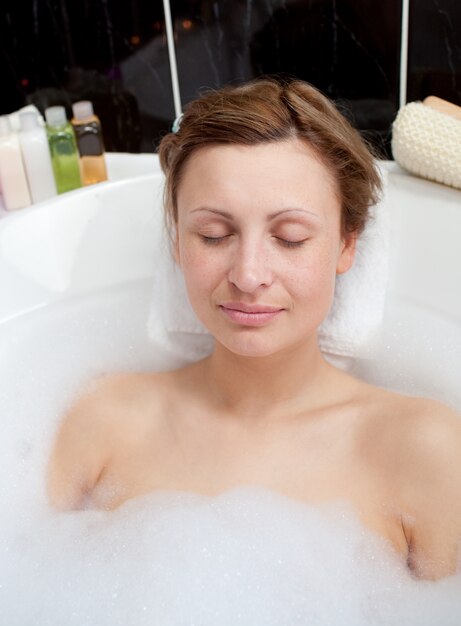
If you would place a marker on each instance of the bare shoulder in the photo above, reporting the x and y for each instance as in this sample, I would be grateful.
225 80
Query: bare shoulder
122 387
418 444
110 410
422 431
432 478
430 451
121 396
407 422
417 434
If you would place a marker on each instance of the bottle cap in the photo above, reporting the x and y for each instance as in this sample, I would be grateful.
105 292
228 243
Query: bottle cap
82 109
28 120
5 126
56 116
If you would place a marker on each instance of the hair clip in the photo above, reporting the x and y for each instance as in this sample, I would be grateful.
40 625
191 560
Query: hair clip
177 123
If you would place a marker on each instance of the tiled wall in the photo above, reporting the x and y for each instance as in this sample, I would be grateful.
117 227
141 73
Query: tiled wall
116 54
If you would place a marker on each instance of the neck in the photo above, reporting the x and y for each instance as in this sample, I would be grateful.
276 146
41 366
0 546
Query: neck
266 386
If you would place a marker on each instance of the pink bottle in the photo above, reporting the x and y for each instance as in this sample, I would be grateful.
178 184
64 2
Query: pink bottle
13 180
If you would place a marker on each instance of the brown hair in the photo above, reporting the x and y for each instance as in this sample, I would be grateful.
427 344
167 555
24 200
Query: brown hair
266 110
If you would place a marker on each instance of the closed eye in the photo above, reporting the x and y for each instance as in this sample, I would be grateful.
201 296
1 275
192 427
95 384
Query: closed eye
213 241
291 244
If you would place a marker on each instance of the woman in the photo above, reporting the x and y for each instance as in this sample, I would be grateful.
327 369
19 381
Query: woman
267 190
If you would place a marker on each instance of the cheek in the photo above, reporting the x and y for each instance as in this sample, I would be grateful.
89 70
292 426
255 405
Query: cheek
315 272
201 273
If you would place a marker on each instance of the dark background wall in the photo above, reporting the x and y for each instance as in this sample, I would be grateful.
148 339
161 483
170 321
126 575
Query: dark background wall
115 54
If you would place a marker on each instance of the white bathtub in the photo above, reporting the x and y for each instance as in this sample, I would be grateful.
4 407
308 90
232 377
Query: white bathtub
98 238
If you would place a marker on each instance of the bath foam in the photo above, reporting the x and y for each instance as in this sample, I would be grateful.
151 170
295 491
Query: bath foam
249 556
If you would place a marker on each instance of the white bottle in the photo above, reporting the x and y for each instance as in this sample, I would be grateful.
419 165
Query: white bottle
12 173
37 157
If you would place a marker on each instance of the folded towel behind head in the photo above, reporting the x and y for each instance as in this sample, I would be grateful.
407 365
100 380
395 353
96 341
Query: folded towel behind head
348 331
357 311
172 322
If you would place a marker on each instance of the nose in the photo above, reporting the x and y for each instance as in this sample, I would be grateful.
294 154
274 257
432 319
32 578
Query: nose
250 268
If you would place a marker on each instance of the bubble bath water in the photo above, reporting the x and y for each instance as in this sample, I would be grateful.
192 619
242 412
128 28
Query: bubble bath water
248 556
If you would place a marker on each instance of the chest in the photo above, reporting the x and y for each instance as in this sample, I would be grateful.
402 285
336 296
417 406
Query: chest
210 459
312 470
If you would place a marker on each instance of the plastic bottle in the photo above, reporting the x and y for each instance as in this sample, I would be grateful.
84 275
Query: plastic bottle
12 173
37 157
63 148
90 143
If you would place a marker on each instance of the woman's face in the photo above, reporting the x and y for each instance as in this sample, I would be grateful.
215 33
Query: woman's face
259 242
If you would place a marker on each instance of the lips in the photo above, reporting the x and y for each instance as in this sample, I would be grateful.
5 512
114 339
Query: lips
249 314
250 308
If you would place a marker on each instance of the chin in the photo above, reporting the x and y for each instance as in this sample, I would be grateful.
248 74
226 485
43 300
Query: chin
247 346
253 346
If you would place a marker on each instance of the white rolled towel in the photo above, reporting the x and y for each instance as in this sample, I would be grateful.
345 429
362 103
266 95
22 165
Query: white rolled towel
347 333
427 143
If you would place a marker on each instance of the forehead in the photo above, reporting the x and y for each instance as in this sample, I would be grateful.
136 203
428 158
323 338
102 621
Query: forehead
265 175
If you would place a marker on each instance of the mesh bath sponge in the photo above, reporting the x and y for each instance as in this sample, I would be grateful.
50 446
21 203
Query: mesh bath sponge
427 142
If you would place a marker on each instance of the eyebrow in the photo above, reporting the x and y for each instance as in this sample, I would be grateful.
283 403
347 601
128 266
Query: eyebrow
271 216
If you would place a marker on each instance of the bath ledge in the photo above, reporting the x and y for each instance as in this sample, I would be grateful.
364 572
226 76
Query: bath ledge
120 166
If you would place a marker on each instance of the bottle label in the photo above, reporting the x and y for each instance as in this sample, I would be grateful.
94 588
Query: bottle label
89 139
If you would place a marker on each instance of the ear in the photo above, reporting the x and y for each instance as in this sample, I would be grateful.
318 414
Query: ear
346 252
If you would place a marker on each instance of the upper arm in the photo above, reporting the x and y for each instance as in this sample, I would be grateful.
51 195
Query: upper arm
433 493
79 453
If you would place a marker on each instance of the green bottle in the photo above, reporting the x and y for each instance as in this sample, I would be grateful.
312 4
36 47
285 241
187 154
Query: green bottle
63 148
